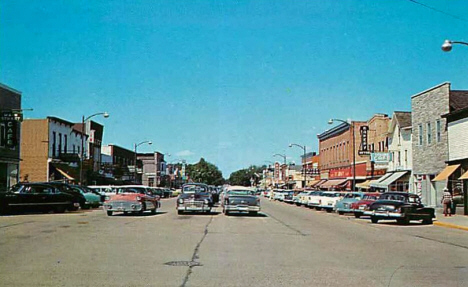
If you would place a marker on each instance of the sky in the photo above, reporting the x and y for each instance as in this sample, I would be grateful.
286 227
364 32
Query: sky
230 81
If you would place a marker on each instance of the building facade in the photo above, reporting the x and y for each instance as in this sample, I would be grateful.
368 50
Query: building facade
10 136
50 150
117 163
430 140
153 168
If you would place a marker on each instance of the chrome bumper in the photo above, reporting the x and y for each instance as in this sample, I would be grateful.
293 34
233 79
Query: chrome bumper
241 208
193 206
125 206
386 214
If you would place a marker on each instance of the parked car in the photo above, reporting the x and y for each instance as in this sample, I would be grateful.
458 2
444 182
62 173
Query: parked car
65 187
344 205
297 198
240 199
401 206
93 198
194 197
288 196
176 192
135 199
329 199
313 200
358 207
37 197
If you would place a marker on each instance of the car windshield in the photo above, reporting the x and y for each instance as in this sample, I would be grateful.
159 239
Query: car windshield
194 189
370 197
396 197
131 190
240 192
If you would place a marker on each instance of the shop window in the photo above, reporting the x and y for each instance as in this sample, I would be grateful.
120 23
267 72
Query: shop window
2 135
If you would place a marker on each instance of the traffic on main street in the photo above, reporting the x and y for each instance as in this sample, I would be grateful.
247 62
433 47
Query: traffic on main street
283 244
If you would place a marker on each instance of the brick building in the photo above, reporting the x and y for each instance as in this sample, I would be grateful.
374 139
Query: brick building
50 150
115 162
153 168
10 136
95 132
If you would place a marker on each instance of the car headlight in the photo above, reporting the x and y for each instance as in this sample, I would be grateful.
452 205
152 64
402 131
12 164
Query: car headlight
398 209
206 201
181 200
107 198
138 198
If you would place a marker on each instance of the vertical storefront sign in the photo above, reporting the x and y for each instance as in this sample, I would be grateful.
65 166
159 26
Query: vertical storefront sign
364 130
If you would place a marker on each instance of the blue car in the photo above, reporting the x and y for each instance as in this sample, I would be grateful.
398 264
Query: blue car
344 206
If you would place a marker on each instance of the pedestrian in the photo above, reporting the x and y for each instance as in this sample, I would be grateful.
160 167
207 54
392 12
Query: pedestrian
447 199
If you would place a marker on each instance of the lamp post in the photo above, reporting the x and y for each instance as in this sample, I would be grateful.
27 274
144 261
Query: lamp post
304 173
83 120
354 148
448 44
136 146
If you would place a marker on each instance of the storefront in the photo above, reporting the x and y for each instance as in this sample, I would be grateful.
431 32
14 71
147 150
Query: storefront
392 181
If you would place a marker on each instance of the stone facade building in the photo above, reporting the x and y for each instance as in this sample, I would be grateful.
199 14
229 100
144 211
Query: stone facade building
153 168
430 140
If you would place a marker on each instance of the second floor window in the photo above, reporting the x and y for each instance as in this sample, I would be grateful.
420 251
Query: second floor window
429 133
420 135
65 146
438 130
54 143
2 135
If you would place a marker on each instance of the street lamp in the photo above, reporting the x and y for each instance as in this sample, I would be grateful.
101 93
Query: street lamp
447 45
83 120
354 148
304 174
135 163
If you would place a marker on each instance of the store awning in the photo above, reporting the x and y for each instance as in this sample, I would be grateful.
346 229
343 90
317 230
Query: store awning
444 174
464 176
385 181
333 182
64 173
364 185
312 182
318 184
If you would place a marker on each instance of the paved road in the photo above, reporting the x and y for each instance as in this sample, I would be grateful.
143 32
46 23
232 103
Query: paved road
285 246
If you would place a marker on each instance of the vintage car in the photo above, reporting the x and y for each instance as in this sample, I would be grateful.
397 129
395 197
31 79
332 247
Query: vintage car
42 197
93 198
344 205
329 199
313 200
358 207
401 206
288 196
132 198
297 198
240 199
195 197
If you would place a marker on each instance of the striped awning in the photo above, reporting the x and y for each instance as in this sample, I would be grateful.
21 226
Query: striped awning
446 173
364 185
464 176
64 173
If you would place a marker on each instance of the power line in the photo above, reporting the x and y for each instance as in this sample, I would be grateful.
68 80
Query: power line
439 11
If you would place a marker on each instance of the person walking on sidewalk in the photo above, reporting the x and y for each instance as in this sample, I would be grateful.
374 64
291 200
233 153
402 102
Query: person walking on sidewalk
447 199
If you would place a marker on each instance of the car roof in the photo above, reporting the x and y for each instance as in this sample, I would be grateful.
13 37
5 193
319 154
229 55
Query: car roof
238 187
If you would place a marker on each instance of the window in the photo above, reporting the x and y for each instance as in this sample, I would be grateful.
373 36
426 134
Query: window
420 135
2 135
54 142
406 157
73 148
438 130
429 134
65 146
60 144
399 158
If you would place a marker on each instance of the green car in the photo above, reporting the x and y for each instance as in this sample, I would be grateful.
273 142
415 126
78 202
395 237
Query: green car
93 198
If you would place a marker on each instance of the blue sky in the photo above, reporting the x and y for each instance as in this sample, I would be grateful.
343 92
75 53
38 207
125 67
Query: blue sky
230 81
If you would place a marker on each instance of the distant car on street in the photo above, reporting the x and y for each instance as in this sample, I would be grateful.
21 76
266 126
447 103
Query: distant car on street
329 199
240 199
195 197
344 205
401 206
93 198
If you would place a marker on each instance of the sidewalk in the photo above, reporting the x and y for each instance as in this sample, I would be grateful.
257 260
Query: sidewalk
455 221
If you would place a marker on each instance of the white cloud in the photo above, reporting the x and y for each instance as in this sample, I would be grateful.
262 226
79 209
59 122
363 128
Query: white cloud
184 153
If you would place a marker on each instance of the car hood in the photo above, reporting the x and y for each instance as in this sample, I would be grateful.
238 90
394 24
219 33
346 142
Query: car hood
195 196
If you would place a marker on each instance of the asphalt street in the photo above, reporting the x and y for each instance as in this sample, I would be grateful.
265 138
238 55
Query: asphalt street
283 246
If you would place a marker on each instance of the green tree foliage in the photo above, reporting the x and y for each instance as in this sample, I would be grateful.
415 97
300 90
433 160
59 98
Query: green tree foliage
204 172
243 176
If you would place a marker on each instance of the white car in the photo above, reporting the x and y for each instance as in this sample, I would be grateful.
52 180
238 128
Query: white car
313 199
329 199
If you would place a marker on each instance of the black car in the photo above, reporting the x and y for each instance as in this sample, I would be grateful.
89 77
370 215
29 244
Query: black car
401 206
195 197
65 187
37 197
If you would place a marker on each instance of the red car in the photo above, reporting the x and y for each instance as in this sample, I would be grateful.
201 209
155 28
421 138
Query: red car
363 204
134 198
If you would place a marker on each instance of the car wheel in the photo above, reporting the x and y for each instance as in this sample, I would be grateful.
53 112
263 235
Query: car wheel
340 212
318 208
109 213
143 208
403 221
427 221
179 212
329 210
153 211
253 213
374 219
357 215
226 212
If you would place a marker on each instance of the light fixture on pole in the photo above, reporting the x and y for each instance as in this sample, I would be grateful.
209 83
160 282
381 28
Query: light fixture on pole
83 121
304 173
135 160
330 122
447 45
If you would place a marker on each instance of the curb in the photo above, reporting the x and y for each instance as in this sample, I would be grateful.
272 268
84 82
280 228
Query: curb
451 225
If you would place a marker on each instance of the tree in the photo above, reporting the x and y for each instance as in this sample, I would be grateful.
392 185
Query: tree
243 176
205 172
